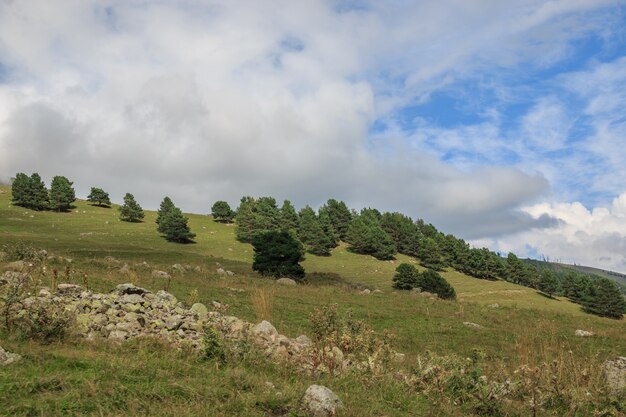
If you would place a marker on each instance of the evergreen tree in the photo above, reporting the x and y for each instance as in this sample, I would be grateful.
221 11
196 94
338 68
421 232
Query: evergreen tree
278 253
340 216
131 211
174 226
267 216
549 283
428 254
431 281
328 227
288 216
62 194
514 269
312 234
20 189
256 216
37 195
222 212
403 231
406 277
366 236
245 220
99 196
604 299
165 207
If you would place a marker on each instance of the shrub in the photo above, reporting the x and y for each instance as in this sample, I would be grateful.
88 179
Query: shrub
405 277
431 281
213 347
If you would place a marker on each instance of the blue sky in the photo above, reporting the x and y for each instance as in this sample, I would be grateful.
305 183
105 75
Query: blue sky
501 122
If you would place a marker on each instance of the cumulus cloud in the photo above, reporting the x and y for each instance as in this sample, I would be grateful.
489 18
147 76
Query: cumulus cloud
595 237
207 100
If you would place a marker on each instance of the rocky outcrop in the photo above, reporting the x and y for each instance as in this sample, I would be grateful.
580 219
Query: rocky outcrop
7 358
615 374
319 401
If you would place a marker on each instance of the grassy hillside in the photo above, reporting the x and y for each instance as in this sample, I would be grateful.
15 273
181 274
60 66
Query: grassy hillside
526 329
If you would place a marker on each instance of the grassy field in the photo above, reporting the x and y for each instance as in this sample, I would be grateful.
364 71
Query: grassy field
74 378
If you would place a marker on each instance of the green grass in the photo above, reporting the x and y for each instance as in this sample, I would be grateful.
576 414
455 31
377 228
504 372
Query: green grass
79 379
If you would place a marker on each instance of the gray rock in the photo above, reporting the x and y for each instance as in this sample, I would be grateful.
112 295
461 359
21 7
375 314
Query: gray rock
200 309
265 330
583 333
377 292
472 325
173 322
118 335
319 401
7 358
160 274
124 269
130 289
615 374
165 296
230 273
131 299
221 271
178 268
286 281
366 292
12 277
303 340
69 289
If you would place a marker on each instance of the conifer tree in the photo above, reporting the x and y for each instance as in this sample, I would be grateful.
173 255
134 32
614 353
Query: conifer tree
428 254
431 281
20 189
99 196
328 227
37 195
245 220
549 283
312 234
288 216
222 212
405 277
604 299
340 216
278 253
131 211
366 236
62 194
164 208
174 226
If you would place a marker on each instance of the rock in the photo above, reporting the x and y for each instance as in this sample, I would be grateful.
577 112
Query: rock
174 322
583 333
17 266
44 292
221 271
160 274
118 335
319 401
69 289
472 325
303 340
111 260
124 269
12 277
416 290
377 292
399 357
165 296
615 374
3 255
200 310
366 292
131 299
495 305
7 358
285 281
265 331
230 273
123 289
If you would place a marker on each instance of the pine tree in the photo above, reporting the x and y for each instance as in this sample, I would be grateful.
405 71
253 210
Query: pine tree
405 277
20 189
366 236
222 212
604 299
328 227
99 196
340 216
131 211
431 281
288 216
174 226
312 234
549 283
245 220
278 253
37 195
429 254
62 194
164 208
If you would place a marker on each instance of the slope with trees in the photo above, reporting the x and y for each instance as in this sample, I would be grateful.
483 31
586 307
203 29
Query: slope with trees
131 211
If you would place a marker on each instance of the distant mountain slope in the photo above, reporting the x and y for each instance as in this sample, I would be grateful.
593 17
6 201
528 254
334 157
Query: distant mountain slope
617 277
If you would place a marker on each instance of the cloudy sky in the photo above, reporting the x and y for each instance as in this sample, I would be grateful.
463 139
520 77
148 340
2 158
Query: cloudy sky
500 122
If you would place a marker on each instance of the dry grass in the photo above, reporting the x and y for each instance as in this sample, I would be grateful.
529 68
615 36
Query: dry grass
261 300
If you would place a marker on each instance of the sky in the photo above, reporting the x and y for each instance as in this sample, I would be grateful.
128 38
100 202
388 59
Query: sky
500 122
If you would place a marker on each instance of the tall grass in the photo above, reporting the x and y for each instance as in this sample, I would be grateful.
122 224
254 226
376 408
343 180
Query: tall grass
261 300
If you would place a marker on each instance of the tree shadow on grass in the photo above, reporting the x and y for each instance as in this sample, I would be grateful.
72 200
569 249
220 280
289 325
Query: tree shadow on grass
547 296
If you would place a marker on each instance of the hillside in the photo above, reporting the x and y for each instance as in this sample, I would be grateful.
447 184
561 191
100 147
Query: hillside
99 245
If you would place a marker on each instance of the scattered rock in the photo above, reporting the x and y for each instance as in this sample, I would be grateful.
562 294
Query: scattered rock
12 277
230 273
129 288
472 325
319 401
615 374
69 289
200 310
265 331
285 281
221 271
377 292
160 274
366 292
495 305
7 358
303 340
124 269
178 268
583 333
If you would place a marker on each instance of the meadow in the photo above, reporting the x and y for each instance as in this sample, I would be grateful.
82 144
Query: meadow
525 329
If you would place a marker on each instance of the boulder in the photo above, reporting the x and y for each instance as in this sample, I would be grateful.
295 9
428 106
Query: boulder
583 333
377 292
160 274
265 331
285 281
69 289
200 310
178 268
615 374
221 271
7 358
166 297
319 401
124 289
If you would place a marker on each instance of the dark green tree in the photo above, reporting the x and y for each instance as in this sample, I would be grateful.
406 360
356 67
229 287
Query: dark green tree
19 189
62 194
164 208
328 227
366 236
288 216
340 216
548 283
405 277
99 196
245 219
37 197
311 233
403 231
131 211
277 254
175 228
604 299
431 281
222 212
429 255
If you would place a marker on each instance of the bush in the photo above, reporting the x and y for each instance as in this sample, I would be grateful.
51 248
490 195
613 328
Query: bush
213 347
406 277
431 281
